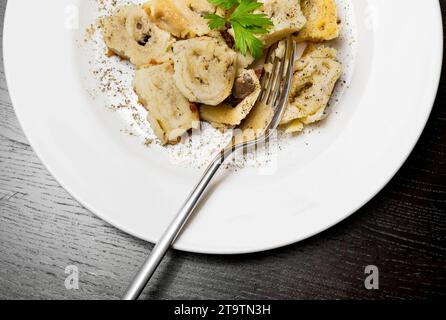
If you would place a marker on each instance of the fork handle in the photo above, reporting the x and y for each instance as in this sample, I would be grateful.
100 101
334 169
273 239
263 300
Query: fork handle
169 236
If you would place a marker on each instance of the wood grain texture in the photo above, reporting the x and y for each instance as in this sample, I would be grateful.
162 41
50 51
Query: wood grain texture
402 231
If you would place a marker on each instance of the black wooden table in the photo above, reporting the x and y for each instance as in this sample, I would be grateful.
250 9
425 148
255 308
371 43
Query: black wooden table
402 231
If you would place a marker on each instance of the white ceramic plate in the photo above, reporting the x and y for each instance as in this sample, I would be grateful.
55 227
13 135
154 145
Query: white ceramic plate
320 178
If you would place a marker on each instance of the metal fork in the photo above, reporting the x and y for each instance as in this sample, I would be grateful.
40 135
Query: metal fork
275 93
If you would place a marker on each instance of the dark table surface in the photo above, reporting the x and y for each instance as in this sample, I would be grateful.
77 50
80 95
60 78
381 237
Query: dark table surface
402 231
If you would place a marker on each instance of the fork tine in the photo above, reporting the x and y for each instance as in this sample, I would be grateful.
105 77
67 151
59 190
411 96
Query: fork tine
280 75
263 85
284 67
280 103
266 79
272 79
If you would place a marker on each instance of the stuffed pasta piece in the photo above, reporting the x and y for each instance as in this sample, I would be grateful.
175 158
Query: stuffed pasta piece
286 16
315 77
182 18
246 90
322 21
205 69
170 114
131 35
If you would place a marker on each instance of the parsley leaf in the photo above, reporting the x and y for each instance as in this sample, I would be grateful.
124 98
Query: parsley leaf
245 7
225 4
244 22
215 21
253 20
245 39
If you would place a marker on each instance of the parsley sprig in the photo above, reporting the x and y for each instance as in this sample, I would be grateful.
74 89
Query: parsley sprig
244 22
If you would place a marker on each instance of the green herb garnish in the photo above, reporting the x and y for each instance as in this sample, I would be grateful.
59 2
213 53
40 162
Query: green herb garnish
244 22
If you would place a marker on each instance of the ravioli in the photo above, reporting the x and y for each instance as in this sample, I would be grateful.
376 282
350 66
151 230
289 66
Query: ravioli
181 18
314 79
226 114
322 21
130 34
286 16
170 114
205 69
